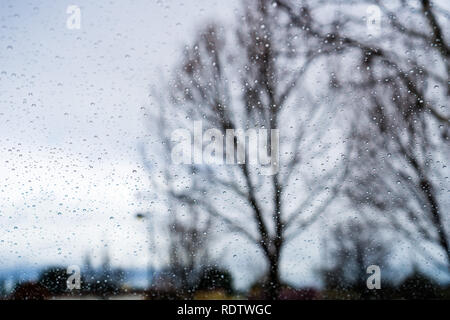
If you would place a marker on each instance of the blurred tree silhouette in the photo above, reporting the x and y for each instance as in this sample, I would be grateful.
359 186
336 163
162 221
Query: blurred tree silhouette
352 247
103 281
213 278
419 286
30 291
3 289
250 78
54 279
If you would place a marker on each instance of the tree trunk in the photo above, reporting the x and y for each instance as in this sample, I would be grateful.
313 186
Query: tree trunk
436 217
274 278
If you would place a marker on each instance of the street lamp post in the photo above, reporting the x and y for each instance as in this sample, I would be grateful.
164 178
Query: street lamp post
151 234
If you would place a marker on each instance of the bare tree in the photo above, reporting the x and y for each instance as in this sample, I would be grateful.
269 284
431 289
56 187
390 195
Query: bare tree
187 238
397 83
252 77
188 250
351 247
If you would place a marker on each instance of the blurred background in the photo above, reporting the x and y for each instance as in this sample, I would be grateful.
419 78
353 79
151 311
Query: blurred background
92 96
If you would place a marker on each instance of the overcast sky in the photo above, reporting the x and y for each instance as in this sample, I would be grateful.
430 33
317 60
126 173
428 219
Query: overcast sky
71 118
